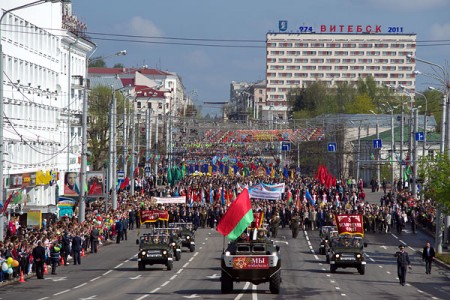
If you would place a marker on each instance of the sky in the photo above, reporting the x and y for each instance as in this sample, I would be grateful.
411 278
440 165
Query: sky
210 43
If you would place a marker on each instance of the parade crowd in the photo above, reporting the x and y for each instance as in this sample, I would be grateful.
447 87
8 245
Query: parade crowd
306 204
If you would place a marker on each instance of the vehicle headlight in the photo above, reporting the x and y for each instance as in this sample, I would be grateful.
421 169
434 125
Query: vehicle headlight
164 252
227 253
188 237
173 244
143 252
358 255
326 241
338 255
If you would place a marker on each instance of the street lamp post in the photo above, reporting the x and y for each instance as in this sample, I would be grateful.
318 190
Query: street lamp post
2 191
377 150
444 80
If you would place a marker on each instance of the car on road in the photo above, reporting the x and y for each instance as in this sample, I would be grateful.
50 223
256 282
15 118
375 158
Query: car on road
325 237
251 259
347 251
154 249
186 233
174 240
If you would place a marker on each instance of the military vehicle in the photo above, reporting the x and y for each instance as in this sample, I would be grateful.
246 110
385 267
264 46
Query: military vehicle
347 251
174 240
255 259
325 238
154 249
186 234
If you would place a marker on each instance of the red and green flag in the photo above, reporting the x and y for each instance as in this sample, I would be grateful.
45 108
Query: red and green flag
237 218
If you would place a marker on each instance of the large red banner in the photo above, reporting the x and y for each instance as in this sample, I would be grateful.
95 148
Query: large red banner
150 216
350 224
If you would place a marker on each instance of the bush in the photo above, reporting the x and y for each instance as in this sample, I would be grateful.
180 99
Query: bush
445 257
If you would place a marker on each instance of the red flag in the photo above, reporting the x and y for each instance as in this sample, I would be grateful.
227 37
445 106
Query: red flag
125 183
5 205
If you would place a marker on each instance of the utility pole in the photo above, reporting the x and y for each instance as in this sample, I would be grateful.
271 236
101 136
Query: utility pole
156 143
125 137
133 142
114 161
415 158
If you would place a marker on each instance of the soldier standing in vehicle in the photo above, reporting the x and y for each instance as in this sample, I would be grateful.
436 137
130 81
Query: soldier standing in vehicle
295 223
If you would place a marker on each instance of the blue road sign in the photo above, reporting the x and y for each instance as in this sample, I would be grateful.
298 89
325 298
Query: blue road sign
120 175
377 144
285 146
332 147
420 137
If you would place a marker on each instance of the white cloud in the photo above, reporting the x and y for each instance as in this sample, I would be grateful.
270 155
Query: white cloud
141 26
440 31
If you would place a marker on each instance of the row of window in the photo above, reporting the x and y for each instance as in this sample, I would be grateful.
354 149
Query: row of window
338 53
337 61
33 116
336 75
341 67
376 45
20 152
289 82
24 34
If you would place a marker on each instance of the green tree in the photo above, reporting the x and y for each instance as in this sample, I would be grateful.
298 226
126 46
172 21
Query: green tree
97 62
119 65
362 104
435 172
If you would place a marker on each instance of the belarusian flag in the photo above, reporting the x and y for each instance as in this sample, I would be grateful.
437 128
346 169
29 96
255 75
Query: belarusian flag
237 218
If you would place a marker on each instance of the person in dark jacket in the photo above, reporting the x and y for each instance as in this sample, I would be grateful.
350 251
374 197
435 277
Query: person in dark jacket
428 255
95 234
402 264
54 256
119 229
76 248
65 242
39 259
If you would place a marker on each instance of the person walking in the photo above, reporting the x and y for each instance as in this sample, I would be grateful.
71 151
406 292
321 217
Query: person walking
39 259
76 248
403 263
428 256
54 256
95 234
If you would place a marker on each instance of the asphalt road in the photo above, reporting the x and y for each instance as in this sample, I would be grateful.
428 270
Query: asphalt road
113 274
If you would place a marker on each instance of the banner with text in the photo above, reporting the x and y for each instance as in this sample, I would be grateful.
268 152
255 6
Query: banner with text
150 216
350 224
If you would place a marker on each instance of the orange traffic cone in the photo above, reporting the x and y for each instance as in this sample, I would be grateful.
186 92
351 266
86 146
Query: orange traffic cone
62 261
82 252
45 269
21 277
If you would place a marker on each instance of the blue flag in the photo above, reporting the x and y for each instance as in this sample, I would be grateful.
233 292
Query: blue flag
309 197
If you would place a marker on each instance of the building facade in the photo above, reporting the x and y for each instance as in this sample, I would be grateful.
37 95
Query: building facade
334 54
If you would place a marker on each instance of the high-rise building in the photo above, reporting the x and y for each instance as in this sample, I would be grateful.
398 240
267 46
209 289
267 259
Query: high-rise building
334 54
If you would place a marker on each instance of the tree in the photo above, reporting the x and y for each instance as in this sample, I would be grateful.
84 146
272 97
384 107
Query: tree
361 104
435 172
119 66
97 62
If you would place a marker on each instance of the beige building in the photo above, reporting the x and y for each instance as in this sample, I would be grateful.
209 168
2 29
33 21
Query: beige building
299 59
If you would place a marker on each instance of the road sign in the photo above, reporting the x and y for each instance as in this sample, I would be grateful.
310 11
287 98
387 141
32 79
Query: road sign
332 147
420 137
285 146
120 175
377 144
147 171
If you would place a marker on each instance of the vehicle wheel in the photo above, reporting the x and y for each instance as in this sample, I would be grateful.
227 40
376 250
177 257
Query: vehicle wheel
362 270
192 248
328 259
141 266
333 268
275 283
226 283
169 265
178 255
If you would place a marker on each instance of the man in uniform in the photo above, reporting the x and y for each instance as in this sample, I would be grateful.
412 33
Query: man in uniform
39 259
295 223
402 264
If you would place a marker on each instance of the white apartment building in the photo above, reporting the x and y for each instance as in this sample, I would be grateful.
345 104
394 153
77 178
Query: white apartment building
44 60
336 53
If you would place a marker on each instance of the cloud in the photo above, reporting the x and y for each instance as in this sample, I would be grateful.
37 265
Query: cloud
141 26
440 31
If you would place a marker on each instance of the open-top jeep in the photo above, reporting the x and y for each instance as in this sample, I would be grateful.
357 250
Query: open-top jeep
174 240
154 249
256 260
347 251
186 233
325 238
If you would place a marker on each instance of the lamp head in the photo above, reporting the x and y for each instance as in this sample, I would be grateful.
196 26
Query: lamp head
417 72
122 52
409 56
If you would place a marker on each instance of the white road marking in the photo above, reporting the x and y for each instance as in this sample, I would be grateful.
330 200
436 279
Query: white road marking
384 247
402 242
254 293
78 286
411 248
38 299
142 297
191 259
179 271
381 267
173 277
247 284
328 275
336 287
155 290
185 265
343 295
332 281
195 254
106 273
394 235
316 257
65 291
199 249
118 266
206 239
94 279
388 272
371 259
165 283
420 291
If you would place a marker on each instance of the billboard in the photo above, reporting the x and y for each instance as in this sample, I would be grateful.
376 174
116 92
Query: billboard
71 184
95 184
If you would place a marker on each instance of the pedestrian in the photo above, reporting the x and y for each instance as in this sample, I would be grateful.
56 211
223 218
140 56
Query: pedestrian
76 248
95 234
54 256
119 229
402 264
294 225
428 256
65 249
39 259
